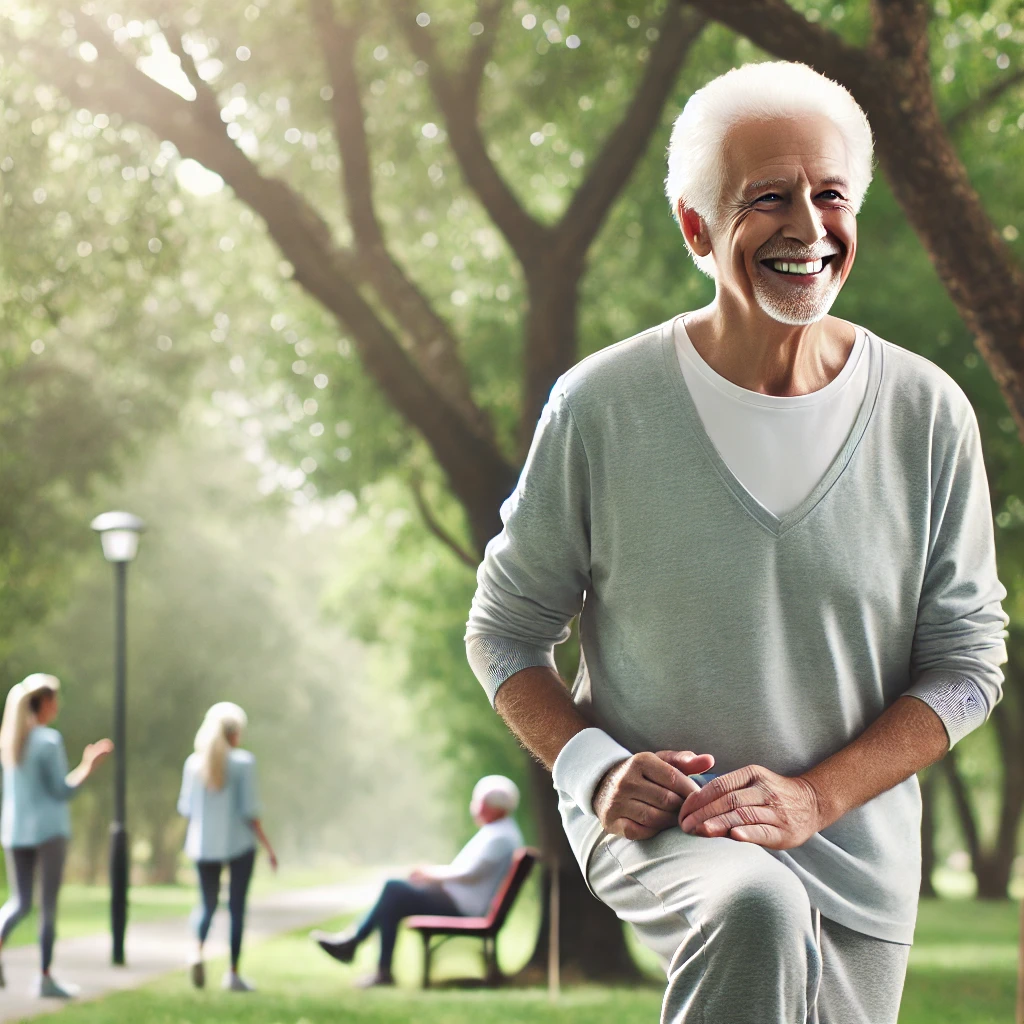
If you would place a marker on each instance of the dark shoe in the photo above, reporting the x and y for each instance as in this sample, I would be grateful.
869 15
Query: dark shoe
379 978
341 947
197 971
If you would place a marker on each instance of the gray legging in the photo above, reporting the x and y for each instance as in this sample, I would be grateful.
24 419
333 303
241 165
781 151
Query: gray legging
21 869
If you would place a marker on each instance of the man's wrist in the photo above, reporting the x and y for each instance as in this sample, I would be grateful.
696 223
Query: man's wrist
583 762
829 804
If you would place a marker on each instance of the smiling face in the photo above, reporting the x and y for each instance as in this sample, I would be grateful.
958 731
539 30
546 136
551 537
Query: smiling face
785 236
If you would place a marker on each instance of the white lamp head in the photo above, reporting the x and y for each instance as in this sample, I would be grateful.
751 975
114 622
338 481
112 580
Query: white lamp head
119 535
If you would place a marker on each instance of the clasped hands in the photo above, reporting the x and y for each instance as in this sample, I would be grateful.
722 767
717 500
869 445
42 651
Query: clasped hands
649 793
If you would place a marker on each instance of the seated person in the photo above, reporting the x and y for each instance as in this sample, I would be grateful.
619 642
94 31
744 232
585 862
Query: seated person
463 888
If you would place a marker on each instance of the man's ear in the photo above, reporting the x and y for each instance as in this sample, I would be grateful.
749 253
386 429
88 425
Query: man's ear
694 230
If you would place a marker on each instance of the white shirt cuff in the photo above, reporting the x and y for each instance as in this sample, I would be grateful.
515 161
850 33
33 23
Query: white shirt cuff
583 763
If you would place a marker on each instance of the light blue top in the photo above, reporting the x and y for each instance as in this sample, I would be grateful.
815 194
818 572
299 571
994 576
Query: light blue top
36 792
220 820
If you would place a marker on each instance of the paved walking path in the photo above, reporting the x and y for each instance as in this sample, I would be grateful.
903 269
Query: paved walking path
154 948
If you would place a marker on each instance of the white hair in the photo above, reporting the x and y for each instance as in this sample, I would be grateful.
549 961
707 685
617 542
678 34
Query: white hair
20 715
498 792
756 92
223 722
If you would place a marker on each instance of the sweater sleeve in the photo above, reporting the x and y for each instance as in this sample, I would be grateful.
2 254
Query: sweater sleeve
54 768
959 641
535 572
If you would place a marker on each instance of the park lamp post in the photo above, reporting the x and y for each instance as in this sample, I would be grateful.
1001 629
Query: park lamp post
119 535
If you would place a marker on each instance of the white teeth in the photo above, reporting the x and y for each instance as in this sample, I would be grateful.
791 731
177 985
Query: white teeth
813 267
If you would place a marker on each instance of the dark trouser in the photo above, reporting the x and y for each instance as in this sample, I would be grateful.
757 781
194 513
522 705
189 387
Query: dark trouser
239 877
21 870
397 900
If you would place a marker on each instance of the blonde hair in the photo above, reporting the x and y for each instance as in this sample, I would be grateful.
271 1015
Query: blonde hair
223 722
20 714
755 92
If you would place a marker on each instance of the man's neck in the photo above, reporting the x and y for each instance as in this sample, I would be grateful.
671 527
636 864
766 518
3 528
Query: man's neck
771 358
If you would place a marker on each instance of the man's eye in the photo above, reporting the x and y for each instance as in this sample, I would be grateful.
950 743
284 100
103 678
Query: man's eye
768 197
830 194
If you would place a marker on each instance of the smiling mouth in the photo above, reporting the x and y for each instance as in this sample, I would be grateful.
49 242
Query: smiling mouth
798 269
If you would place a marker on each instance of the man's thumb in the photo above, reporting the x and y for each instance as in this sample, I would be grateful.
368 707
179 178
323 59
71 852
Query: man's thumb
687 761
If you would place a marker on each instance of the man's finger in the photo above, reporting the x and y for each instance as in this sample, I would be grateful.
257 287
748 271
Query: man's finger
629 829
761 835
741 817
717 788
733 799
657 796
687 761
660 772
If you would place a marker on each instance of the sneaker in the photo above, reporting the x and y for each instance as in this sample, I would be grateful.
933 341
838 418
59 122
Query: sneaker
235 983
49 988
375 980
342 945
197 972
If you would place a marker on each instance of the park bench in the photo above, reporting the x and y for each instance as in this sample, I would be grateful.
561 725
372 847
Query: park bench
485 928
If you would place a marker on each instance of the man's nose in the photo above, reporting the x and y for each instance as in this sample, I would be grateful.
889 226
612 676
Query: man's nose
805 224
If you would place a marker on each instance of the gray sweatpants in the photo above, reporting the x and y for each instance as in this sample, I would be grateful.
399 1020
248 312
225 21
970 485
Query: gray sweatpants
738 938
21 870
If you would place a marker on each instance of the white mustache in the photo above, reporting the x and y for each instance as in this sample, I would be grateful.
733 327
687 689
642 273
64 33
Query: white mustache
769 252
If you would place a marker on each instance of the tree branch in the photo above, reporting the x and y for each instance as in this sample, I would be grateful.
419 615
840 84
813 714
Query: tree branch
206 98
488 14
459 107
678 30
780 30
475 467
433 343
432 524
958 120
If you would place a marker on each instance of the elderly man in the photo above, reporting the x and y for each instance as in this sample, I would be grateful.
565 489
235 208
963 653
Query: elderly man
463 888
775 528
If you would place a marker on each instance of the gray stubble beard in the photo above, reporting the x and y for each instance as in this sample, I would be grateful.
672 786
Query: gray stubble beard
797 311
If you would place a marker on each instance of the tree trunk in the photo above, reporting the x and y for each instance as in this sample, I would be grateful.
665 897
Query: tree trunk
591 938
928 781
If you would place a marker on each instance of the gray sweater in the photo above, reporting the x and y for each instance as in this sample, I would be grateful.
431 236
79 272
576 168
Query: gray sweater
708 624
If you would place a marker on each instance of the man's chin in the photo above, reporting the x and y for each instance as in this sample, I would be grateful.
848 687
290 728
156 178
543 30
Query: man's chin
794 313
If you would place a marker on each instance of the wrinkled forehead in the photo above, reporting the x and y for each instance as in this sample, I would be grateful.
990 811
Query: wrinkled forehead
760 155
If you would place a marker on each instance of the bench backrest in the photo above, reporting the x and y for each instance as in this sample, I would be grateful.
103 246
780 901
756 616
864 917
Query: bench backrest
519 870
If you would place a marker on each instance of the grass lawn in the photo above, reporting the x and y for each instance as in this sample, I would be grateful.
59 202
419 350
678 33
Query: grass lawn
962 972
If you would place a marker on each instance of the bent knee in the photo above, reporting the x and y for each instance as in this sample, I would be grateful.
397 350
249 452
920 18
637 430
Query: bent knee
768 907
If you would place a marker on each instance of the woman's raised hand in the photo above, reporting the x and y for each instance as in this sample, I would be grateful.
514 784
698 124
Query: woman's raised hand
96 753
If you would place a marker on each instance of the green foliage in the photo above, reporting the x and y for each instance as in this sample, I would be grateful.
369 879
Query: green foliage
84 381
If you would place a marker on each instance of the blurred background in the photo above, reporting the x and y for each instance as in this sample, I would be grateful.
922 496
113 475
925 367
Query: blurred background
291 281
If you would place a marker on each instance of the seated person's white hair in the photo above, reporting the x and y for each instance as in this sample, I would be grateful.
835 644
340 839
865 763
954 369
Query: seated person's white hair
497 791
756 92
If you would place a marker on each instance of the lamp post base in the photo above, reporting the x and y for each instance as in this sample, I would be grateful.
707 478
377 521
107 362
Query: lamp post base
118 890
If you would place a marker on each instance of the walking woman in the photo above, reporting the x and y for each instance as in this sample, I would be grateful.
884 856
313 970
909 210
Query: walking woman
35 824
219 798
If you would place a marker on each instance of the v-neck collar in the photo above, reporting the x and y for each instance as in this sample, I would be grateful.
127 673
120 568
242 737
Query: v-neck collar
774 524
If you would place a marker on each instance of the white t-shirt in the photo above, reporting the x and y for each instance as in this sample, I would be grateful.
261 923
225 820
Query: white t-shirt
778 448
481 866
